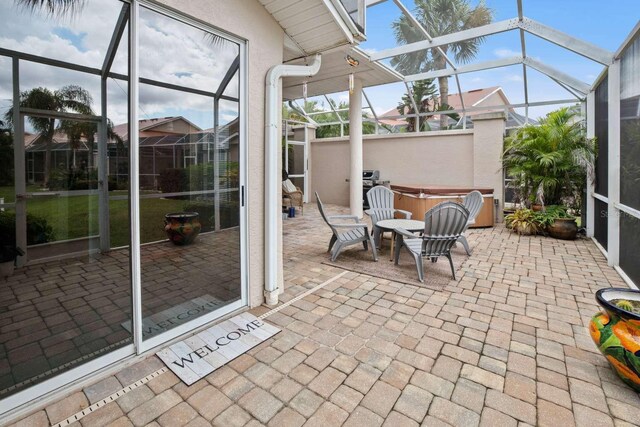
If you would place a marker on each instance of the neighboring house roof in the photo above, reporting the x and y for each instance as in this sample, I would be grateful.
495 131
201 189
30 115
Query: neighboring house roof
472 98
163 131
152 124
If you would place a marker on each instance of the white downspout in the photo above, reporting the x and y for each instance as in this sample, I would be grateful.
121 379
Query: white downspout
272 175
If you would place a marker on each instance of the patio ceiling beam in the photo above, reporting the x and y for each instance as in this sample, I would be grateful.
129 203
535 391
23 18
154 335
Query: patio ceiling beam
480 66
571 91
233 68
333 109
49 61
417 25
488 108
46 114
523 47
172 86
301 111
98 72
588 50
123 18
570 81
485 30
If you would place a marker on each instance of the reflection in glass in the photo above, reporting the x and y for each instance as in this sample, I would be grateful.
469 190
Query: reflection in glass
189 173
68 300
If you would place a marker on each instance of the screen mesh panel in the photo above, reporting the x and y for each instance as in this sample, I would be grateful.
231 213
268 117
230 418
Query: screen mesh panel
630 126
629 245
602 137
601 223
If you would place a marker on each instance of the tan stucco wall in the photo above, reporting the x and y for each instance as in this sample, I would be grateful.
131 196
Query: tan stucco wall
434 158
466 158
488 144
249 20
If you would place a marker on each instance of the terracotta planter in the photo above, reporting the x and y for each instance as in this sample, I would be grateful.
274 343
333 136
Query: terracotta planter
6 268
537 208
616 332
563 228
182 227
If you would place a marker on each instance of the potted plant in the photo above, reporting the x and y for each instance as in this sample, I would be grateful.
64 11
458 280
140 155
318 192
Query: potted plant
557 222
523 221
8 255
616 332
182 228
550 162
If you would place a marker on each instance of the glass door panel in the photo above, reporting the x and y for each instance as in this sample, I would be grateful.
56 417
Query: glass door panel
69 299
189 174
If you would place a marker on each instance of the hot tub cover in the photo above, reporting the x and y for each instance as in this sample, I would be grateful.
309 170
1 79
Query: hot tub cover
433 190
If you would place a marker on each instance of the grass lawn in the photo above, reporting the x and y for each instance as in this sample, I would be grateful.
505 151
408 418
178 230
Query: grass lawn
77 216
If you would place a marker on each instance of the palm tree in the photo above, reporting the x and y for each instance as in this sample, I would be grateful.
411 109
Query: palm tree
551 162
424 96
440 17
71 98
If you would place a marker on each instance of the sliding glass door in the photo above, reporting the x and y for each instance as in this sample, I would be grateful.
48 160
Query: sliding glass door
122 171
189 173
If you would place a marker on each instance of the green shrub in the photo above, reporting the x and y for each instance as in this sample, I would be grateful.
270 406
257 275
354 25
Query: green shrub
73 179
174 180
229 213
38 229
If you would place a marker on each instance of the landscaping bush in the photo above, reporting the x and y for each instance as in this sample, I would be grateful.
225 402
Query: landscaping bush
174 180
117 185
38 229
229 213
73 179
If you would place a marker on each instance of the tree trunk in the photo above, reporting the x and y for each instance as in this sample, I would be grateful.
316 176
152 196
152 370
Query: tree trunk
443 85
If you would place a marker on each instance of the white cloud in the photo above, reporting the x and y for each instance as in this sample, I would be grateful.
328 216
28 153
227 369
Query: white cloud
506 53
477 80
171 52
514 78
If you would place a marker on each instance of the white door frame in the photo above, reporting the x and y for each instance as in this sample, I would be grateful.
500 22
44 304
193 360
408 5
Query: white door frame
305 145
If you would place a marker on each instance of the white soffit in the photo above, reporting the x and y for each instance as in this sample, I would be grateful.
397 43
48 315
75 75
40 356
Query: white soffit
312 25
334 74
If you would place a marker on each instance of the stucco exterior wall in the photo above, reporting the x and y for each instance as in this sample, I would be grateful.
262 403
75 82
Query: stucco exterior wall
487 160
465 158
435 158
248 20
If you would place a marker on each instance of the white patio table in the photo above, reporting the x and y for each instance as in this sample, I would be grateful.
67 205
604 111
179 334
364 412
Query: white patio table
393 224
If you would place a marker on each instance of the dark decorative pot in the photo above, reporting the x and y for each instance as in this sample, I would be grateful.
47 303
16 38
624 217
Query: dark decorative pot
182 227
616 332
563 228
6 268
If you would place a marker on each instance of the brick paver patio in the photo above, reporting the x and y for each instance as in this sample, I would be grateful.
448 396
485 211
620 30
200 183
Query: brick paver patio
58 314
504 345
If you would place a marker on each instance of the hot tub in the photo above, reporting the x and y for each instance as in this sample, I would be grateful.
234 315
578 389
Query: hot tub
418 199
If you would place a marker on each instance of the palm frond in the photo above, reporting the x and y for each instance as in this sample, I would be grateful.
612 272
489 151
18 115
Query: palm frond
56 8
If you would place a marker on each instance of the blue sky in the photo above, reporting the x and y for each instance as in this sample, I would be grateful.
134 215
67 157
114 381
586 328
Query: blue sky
605 24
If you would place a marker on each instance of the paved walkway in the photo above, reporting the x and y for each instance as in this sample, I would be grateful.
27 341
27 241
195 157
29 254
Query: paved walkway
505 345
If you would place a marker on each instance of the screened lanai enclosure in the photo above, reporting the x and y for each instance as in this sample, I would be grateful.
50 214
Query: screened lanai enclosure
114 116
603 86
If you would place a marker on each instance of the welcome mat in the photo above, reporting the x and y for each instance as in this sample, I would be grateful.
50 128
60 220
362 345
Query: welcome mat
177 315
199 355
437 275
